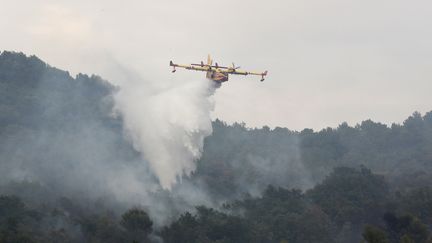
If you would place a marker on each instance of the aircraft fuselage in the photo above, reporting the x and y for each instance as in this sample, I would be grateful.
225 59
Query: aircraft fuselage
216 76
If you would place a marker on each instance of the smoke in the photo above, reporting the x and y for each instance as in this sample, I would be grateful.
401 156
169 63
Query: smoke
66 141
167 124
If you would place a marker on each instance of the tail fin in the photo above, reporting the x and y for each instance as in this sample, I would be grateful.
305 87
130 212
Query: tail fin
209 60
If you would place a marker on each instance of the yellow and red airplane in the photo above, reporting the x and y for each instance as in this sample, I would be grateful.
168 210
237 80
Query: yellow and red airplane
218 74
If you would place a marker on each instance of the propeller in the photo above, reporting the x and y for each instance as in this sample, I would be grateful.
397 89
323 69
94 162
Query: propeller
234 67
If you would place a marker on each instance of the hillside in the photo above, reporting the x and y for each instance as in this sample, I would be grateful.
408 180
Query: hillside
63 155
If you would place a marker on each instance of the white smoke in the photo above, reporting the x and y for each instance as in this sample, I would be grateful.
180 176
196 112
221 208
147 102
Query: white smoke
167 125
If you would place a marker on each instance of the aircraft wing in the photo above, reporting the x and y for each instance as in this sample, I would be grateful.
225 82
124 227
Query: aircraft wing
190 67
240 72
206 65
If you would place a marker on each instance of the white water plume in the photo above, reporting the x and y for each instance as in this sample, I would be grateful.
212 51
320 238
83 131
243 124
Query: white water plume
168 125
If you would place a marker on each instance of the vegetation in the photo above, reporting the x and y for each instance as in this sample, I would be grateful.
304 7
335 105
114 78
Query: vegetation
366 183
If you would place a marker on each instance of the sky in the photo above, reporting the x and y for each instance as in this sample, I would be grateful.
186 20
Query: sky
328 61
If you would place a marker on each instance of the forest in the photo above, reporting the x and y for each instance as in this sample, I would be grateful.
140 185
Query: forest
61 150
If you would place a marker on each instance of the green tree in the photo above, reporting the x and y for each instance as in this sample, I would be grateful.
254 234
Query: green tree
406 227
351 195
137 223
373 234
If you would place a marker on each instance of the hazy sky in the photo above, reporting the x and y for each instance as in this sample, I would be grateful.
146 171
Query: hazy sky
328 61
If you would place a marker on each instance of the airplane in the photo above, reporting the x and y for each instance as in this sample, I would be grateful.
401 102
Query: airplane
218 74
